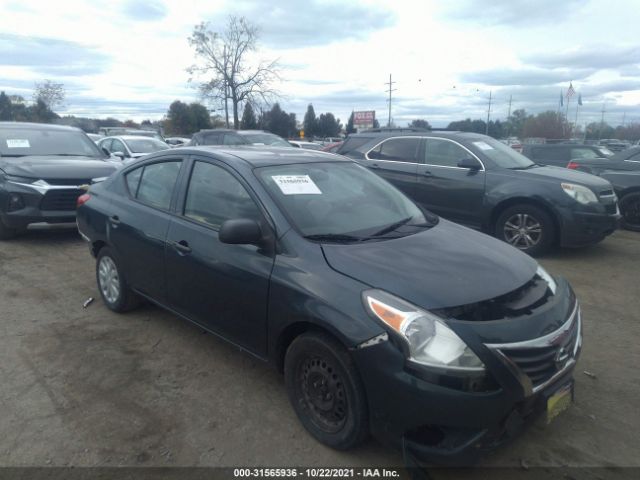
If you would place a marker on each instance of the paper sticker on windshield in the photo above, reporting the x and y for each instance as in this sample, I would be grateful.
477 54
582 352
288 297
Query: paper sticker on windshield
483 146
18 143
296 185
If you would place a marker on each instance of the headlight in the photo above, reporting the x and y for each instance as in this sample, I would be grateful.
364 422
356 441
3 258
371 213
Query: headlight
579 193
17 179
430 342
542 273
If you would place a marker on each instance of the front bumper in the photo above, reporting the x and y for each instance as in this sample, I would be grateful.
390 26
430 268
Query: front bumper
586 228
432 423
38 205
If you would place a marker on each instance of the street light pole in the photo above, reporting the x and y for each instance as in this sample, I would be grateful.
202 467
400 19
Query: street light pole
486 130
390 90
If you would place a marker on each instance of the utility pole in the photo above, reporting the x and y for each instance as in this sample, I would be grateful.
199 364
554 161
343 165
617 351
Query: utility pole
601 123
509 117
486 130
391 89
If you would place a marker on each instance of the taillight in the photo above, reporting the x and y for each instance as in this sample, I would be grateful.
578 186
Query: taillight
573 165
82 199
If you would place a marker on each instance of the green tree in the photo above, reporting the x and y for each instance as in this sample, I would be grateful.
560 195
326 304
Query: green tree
5 107
178 117
350 127
310 123
249 121
420 124
548 125
515 123
279 122
328 125
41 113
198 117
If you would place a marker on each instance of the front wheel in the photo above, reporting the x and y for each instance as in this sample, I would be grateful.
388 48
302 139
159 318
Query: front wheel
527 228
326 391
630 210
114 290
7 233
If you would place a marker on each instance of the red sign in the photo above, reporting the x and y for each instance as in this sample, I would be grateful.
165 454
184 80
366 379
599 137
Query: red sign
364 118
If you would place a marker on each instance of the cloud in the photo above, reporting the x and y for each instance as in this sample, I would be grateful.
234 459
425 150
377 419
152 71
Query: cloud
292 24
525 76
598 57
145 10
50 56
513 12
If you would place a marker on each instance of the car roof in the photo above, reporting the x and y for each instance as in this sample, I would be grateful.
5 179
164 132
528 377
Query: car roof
418 133
262 156
37 126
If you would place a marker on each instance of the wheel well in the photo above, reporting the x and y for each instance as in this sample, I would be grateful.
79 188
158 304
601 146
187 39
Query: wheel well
627 191
501 207
290 333
96 247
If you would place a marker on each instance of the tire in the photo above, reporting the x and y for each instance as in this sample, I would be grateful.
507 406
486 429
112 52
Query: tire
113 287
325 390
630 210
527 228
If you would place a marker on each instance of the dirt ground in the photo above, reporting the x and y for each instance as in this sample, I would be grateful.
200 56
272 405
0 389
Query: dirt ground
88 387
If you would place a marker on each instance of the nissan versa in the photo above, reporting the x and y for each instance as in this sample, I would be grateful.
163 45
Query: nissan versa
384 318
41 170
477 181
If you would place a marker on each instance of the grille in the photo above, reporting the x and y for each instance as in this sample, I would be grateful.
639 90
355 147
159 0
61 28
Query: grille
610 208
541 359
68 181
606 193
62 199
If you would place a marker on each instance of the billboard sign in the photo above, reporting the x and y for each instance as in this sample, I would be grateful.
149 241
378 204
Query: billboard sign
364 119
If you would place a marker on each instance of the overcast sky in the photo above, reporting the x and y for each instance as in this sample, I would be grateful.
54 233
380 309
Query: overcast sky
128 58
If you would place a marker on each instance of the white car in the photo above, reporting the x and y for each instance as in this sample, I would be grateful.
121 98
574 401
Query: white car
305 145
131 146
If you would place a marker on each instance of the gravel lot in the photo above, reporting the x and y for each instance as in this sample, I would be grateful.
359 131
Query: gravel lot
88 387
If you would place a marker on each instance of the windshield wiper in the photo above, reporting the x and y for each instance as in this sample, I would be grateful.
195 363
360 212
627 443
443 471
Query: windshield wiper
334 237
392 227
527 167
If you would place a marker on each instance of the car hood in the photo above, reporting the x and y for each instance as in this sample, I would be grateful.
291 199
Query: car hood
445 266
555 174
56 167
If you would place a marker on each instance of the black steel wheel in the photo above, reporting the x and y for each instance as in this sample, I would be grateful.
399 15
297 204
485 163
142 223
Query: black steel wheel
325 390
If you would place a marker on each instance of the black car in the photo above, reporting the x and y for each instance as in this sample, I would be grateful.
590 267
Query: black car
385 319
622 170
482 183
41 170
227 137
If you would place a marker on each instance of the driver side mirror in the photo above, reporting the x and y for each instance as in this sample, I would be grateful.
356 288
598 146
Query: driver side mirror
119 154
240 231
470 163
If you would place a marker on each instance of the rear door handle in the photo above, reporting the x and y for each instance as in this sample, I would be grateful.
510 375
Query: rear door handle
427 173
375 165
115 220
181 247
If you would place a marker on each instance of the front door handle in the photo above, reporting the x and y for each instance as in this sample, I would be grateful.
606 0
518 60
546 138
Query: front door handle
115 220
375 165
427 173
181 247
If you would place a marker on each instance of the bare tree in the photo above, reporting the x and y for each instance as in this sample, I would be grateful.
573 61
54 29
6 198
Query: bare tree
226 59
52 94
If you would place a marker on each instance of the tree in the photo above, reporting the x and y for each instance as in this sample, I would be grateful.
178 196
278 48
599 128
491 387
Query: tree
187 119
50 93
41 113
515 123
5 107
376 123
249 121
328 126
225 58
310 123
420 124
279 122
548 125
199 117
350 127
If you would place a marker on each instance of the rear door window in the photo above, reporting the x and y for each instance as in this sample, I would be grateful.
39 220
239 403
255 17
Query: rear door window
157 183
549 153
402 149
444 153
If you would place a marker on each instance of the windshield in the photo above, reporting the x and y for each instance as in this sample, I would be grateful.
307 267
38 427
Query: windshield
340 199
146 145
20 142
500 154
265 139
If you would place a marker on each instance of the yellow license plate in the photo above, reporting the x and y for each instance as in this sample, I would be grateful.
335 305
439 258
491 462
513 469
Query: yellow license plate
559 402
